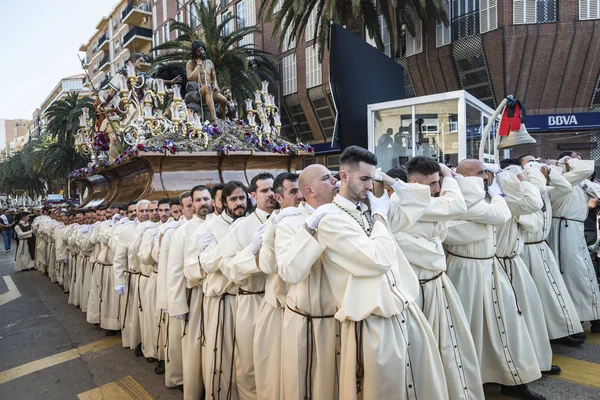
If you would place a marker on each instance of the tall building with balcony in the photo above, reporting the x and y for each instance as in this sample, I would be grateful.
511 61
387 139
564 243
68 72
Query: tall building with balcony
125 31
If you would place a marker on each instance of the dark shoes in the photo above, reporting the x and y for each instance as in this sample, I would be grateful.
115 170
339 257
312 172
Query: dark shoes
580 335
521 392
159 369
572 341
110 333
138 351
554 370
595 326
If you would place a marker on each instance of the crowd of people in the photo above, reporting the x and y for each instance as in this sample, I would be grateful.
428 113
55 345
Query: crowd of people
310 286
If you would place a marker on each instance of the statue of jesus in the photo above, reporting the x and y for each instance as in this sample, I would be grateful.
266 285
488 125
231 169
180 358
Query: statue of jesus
202 70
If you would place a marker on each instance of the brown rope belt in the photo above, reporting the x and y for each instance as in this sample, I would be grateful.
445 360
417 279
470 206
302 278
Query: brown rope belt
202 337
469 258
309 348
221 327
188 295
566 220
510 276
538 242
126 299
422 283
247 292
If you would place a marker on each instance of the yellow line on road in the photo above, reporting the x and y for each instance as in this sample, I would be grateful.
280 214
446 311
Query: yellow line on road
50 361
13 292
125 388
577 371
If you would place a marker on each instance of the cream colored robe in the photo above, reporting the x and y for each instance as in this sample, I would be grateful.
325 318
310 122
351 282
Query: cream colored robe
87 249
185 297
24 260
506 353
218 367
110 300
522 199
94 297
76 285
61 253
152 317
559 311
49 228
170 328
141 274
41 243
298 256
375 290
53 269
269 322
240 265
568 243
128 315
421 243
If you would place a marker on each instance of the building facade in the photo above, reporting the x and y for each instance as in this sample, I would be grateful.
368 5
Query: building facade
125 31
13 136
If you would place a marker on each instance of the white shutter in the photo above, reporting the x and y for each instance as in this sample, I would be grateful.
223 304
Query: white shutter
251 13
488 15
418 36
493 14
589 9
443 32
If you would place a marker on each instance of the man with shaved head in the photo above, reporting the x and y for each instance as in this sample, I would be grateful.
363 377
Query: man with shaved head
309 298
504 347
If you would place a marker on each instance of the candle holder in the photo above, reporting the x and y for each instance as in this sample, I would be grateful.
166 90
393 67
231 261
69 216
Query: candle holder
269 121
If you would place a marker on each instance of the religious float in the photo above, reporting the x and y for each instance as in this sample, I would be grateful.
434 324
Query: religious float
147 142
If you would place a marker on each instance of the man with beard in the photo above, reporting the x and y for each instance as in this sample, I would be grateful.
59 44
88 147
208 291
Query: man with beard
172 330
562 321
215 193
506 353
375 288
175 207
308 327
421 243
149 267
218 335
239 264
202 70
184 291
267 337
567 239
124 278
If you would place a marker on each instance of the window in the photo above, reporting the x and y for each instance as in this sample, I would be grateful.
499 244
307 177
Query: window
241 14
155 43
414 44
488 15
250 12
179 17
533 11
314 75
228 28
287 44
193 16
442 31
465 18
166 37
589 9
290 82
277 7
309 30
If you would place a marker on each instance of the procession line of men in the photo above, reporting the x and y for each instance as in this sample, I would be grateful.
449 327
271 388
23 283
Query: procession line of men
449 280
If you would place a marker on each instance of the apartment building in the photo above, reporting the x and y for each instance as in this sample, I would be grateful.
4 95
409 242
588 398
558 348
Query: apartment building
13 136
125 31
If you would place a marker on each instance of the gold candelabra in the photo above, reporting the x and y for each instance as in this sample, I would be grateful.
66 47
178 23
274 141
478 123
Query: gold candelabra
84 140
268 125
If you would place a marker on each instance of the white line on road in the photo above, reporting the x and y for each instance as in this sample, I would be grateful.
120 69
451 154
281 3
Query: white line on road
12 294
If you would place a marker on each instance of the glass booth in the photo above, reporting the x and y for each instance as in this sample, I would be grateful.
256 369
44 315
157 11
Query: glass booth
445 126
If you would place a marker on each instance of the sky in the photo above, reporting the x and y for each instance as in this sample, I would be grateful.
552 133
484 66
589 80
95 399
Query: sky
39 44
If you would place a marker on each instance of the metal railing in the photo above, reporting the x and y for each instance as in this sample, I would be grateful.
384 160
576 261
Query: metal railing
137 31
105 81
465 25
132 6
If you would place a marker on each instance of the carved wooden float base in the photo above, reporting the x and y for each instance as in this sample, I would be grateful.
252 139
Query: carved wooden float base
154 176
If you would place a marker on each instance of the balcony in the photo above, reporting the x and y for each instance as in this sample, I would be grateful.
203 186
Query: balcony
104 64
465 25
137 14
105 81
137 39
103 43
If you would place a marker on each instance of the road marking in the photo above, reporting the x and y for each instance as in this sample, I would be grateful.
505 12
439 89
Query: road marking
12 294
123 389
50 361
577 371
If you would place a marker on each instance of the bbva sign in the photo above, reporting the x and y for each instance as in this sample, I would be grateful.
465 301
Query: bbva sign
562 120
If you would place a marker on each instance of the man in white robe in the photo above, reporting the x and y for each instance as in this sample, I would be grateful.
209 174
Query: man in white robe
218 367
375 289
239 263
562 321
269 320
184 292
421 243
125 280
522 199
93 306
502 341
173 329
309 333
41 241
567 240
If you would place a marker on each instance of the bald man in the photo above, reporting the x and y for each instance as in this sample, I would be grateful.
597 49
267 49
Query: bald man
309 327
504 348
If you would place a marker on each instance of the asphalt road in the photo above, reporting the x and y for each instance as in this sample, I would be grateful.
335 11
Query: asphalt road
49 351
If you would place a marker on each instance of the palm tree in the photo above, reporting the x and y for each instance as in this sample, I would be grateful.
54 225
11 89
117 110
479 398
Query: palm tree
15 175
294 17
63 116
240 67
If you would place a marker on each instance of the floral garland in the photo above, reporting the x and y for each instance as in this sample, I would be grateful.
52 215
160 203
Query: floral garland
224 137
